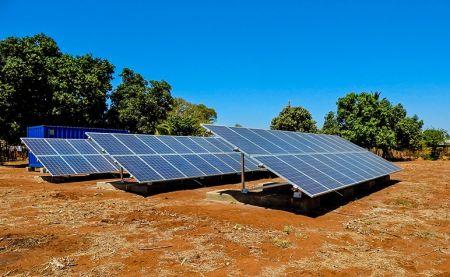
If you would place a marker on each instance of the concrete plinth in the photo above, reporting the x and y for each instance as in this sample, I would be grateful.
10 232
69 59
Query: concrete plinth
130 187
282 197
266 199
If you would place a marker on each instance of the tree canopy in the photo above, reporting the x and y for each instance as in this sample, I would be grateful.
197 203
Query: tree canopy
41 85
371 121
294 119
186 119
139 105
330 124
433 138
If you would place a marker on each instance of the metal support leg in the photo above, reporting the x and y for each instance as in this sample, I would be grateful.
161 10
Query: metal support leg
244 190
121 174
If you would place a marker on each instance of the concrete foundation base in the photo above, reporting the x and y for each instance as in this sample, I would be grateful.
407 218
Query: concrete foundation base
130 187
42 170
30 169
282 198
268 199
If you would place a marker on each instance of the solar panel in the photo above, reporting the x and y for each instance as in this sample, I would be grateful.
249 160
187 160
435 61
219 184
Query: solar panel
69 156
314 163
150 158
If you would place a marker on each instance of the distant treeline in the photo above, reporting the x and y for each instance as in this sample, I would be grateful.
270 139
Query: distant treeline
371 122
41 85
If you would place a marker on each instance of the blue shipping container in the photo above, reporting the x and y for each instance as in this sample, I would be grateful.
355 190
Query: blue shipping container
43 131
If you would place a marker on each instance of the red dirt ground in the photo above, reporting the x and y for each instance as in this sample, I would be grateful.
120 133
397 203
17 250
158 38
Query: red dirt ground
77 228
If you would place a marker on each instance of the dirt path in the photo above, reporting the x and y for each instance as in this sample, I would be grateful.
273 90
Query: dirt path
76 228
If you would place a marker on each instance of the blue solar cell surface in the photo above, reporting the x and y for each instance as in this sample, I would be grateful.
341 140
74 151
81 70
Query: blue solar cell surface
62 147
184 166
134 144
248 163
217 163
189 143
80 164
83 146
138 168
69 156
156 144
175 145
110 144
56 165
101 163
39 146
163 167
172 157
314 163
201 164
208 146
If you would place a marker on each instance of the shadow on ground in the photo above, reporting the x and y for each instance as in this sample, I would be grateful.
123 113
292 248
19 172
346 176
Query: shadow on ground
80 178
14 164
147 190
281 198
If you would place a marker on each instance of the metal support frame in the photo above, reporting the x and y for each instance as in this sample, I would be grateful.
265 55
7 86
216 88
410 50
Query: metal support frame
297 194
121 175
244 190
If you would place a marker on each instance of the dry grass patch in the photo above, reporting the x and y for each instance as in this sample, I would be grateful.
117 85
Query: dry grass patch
58 266
12 243
281 242
204 256
105 269
338 258
404 202
102 245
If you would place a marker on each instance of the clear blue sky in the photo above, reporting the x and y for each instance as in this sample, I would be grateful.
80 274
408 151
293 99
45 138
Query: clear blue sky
247 60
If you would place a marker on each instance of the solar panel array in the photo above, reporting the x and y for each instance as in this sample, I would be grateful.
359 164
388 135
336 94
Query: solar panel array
69 156
314 163
150 158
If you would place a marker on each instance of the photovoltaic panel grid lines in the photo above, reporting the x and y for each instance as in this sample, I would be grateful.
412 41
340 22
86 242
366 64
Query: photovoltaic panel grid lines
69 156
314 163
150 158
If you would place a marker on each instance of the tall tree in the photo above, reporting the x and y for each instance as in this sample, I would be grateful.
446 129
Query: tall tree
41 85
409 133
139 105
330 124
186 119
371 121
432 138
294 119
80 86
25 91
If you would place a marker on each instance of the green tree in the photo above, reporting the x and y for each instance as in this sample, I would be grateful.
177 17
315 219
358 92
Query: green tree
409 133
330 124
183 125
432 138
41 85
371 121
80 86
25 91
186 119
296 119
139 105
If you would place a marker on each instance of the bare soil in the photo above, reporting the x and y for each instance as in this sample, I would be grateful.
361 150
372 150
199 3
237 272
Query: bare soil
78 229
